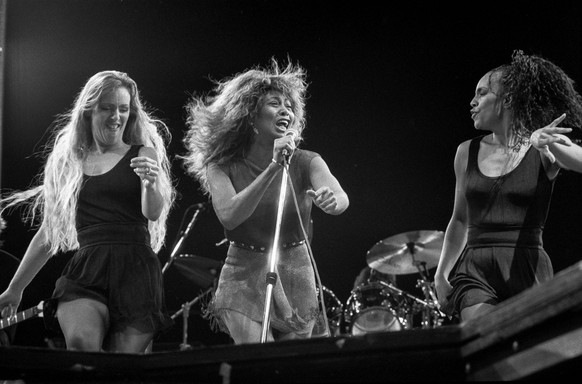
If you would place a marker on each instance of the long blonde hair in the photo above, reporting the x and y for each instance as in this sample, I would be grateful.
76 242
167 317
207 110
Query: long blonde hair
53 201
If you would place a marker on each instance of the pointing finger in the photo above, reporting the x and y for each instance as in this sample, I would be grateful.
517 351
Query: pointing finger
558 120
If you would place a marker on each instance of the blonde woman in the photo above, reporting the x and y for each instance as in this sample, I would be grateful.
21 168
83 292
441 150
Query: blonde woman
105 191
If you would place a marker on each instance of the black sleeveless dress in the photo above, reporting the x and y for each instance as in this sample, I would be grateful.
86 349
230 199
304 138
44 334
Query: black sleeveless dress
115 263
504 254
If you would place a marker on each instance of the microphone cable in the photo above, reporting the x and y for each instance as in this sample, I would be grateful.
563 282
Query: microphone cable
310 251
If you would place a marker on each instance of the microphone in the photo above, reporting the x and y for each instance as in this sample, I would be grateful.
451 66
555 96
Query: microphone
293 133
200 206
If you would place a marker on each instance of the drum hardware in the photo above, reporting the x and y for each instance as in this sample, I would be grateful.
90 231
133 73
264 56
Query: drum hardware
411 299
372 307
412 305
201 271
334 311
431 315
198 208
407 253
185 311
398 254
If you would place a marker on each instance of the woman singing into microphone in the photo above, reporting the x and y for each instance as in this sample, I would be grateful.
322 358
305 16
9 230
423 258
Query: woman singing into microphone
238 142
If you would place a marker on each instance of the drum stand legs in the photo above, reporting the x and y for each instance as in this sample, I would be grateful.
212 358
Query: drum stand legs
185 311
431 316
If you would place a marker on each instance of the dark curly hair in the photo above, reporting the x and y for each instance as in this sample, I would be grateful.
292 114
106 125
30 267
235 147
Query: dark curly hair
538 92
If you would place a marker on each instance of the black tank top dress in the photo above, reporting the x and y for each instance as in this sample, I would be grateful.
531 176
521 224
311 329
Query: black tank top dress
115 263
504 254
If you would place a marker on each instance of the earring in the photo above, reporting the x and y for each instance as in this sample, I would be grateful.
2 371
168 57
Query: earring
255 130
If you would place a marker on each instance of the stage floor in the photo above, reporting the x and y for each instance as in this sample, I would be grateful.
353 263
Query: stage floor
417 355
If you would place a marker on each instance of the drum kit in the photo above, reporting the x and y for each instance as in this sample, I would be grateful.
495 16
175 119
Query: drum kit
379 306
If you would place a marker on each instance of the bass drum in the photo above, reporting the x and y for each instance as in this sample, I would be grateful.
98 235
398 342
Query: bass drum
333 310
371 308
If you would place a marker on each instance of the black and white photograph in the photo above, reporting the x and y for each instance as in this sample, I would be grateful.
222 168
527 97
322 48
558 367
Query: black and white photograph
235 191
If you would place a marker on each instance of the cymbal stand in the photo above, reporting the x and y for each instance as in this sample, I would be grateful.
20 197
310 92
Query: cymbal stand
430 313
199 208
407 306
185 314
185 311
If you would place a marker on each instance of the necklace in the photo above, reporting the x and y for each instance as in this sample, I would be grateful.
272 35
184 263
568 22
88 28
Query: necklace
515 156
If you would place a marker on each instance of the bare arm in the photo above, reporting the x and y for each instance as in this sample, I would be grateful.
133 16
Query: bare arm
551 142
147 168
567 156
328 194
456 232
34 259
232 208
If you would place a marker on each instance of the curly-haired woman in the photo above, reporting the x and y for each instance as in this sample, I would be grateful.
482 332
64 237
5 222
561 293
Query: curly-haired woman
493 245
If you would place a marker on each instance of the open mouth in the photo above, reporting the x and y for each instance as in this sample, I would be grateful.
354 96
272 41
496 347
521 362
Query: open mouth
282 124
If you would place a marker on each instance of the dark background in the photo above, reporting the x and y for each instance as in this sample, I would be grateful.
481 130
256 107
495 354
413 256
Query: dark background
388 104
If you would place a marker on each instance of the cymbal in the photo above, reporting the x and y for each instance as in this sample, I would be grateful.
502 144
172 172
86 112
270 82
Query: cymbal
400 254
200 270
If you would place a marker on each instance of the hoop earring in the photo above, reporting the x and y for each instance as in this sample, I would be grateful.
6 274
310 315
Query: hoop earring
255 130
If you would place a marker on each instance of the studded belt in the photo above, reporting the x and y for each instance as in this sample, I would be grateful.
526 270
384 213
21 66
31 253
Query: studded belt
257 248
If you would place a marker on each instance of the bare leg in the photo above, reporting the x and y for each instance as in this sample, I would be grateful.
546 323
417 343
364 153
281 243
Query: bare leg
84 323
130 340
243 330
296 336
475 310
293 336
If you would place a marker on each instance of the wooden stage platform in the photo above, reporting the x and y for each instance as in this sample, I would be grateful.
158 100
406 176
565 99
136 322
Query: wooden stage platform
536 335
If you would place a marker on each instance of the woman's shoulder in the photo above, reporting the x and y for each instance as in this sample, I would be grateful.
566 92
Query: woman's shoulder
463 150
465 145
305 154
223 167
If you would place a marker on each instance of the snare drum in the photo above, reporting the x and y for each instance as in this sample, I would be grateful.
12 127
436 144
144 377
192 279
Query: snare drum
334 311
372 307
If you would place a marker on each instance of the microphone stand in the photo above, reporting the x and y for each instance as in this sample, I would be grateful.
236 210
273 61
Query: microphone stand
271 277
199 208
